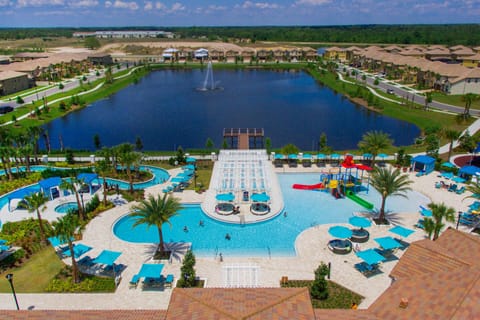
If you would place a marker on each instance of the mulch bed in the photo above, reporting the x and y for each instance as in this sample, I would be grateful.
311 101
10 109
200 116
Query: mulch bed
465 161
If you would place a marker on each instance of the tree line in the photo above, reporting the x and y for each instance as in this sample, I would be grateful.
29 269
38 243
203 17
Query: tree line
447 34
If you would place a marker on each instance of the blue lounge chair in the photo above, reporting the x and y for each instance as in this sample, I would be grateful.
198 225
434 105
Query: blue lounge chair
169 281
420 224
134 281
453 188
461 190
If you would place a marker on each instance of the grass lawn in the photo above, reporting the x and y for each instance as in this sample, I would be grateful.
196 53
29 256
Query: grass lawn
338 298
35 274
454 99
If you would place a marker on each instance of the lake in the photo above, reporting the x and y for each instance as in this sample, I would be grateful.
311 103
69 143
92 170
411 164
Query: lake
166 110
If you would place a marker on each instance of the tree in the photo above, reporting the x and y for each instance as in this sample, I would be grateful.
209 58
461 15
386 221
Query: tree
33 202
451 135
71 185
108 75
138 144
92 43
268 144
69 156
156 212
64 229
322 142
428 99
20 100
290 149
468 98
61 86
96 141
187 276
180 157
432 143
129 159
102 167
209 144
319 289
224 144
373 142
435 224
467 142
389 182
474 188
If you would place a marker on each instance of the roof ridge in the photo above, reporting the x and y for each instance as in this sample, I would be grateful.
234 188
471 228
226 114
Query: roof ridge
465 294
277 302
443 252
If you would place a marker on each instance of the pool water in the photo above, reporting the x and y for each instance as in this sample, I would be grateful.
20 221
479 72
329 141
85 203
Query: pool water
304 209
65 207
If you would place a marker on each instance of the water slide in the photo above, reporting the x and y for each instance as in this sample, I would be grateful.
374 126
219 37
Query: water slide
308 186
352 196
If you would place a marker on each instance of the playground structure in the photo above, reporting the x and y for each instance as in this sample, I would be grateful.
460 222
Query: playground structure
344 184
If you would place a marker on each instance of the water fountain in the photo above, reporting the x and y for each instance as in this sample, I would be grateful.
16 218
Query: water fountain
209 84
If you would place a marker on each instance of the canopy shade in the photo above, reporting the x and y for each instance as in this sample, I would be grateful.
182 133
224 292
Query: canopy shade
382 155
363 167
107 257
469 170
388 243
340 232
150 270
292 156
423 163
55 241
47 184
335 156
225 196
189 167
260 197
360 222
78 250
190 160
401 231
87 177
320 156
307 156
279 156
370 256
367 155
448 165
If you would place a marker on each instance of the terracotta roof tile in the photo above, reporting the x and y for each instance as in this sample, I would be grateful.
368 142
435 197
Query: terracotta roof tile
227 303
83 314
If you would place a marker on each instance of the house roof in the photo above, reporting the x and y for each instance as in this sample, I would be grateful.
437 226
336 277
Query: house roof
10 75
465 246
241 303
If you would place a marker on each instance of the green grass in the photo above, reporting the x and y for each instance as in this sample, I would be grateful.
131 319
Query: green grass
454 99
35 274
338 298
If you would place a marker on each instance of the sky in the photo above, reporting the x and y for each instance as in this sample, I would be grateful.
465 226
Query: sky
91 13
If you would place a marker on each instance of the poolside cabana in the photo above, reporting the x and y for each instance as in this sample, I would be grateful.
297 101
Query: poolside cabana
468 171
292 160
307 160
278 162
423 163
50 187
19 194
320 160
88 179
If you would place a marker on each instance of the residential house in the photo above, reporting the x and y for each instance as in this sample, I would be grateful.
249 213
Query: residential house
12 82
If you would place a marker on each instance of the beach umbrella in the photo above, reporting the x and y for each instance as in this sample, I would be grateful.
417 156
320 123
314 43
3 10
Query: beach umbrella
367 155
382 155
292 156
401 231
448 165
388 243
278 156
370 256
335 156
340 232
360 222
320 156
191 160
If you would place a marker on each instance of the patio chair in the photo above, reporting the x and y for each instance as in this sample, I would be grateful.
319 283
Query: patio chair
169 281
453 188
461 190
367 269
419 224
134 282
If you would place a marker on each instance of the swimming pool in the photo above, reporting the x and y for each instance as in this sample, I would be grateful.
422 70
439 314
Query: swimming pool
65 207
304 210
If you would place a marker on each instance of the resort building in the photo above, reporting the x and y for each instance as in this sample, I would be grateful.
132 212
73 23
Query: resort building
12 82
102 59
336 53
4 60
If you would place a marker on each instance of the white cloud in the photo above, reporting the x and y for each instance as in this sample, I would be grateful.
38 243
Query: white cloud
312 2
60 13
4 3
258 5
118 4
177 6
160 6
148 6
84 3
39 3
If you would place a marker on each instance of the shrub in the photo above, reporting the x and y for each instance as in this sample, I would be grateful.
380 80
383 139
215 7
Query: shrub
63 283
20 100
319 289
187 277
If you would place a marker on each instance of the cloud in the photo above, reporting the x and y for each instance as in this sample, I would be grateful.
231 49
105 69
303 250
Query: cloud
59 13
177 6
312 2
5 3
119 4
84 3
39 3
148 6
159 6
258 5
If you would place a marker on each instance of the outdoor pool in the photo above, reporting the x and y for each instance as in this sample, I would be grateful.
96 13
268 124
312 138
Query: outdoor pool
65 207
304 210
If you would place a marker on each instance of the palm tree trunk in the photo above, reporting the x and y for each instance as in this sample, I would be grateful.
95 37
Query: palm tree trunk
79 204
27 162
42 229
130 178
161 244
382 210
450 148
104 191
74 263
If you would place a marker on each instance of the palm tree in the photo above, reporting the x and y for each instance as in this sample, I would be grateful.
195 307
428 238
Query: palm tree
474 188
451 135
71 185
33 202
129 159
34 133
435 224
389 182
103 167
155 212
468 98
373 142
64 229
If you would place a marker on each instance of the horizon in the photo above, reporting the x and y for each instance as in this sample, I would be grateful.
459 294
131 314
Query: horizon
215 13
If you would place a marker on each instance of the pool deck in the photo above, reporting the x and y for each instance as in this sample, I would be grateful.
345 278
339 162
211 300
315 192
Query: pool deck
311 246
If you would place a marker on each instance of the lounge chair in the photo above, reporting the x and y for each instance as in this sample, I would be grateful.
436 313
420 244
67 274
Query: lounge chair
134 282
438 185
169 281
367 269
420 224
453 188
461 190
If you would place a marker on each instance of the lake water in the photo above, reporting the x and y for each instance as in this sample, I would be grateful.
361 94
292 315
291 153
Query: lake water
165 110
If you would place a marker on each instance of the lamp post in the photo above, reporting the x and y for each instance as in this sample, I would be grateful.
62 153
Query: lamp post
9 277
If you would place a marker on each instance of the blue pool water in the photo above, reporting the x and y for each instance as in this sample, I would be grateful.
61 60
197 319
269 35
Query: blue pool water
65 207
304 210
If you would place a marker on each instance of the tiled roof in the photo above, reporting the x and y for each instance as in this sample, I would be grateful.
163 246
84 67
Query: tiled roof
465 246
227 303
344 314
83 314
435 296
425 257
4 75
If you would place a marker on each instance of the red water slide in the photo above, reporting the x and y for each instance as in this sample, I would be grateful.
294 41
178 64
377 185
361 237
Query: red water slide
308 186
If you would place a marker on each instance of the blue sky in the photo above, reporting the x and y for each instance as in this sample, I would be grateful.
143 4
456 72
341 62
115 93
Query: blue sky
79 13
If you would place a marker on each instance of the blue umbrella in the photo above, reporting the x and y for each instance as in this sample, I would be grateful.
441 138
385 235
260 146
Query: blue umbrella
360 222
225 197
292 156
370 256
278 156
458 179
320 156
401 231
334 156
382 155
448 165
388 243
191 160
367 155
340 232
